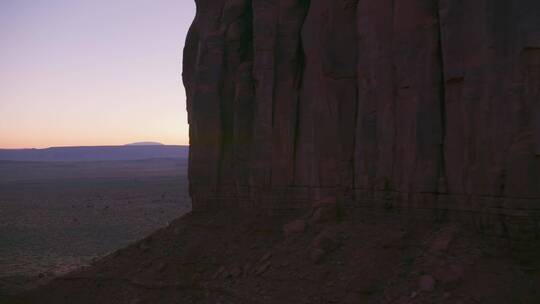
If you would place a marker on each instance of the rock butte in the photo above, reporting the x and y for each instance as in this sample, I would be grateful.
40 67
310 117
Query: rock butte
421 105
331 119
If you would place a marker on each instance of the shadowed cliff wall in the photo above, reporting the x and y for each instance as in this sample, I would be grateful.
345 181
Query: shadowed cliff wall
413 103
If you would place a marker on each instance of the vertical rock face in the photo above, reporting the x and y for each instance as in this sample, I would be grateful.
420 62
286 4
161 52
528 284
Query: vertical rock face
418 103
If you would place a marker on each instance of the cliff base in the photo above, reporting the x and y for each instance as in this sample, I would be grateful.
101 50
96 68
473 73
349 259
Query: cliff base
328 254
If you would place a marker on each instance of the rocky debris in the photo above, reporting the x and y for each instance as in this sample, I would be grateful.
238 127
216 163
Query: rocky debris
324 243
451 274
294 228
265 257
441 242
247 268
219 272
426 283
235 272
353 261
177 231
326 212
135 301
352 298
144 246
262 268
263 264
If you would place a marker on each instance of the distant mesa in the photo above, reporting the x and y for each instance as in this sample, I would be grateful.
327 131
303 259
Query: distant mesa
146 143
136 151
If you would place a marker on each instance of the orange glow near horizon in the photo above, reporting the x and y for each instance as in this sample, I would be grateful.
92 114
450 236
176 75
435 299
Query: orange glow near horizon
92 72
41 143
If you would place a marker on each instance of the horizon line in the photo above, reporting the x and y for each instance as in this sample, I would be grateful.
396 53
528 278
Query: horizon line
97 146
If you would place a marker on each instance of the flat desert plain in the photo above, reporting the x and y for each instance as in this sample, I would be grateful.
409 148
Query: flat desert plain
57 216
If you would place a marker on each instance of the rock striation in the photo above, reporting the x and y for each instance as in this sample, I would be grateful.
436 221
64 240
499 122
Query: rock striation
419 104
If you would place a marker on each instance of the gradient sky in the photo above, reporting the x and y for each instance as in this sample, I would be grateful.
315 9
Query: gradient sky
92 72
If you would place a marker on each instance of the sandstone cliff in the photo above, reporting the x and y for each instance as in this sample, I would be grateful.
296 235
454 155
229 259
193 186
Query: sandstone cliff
393 106
416 103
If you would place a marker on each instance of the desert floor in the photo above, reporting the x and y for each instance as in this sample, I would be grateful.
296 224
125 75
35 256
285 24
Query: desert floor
57 216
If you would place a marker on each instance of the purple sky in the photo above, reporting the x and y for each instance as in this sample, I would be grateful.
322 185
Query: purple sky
92 72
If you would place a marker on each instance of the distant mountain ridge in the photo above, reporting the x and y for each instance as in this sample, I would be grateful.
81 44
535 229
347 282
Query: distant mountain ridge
95 153
146 143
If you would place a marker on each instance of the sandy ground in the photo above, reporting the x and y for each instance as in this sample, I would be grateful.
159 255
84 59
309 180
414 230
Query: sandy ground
329 254
55 217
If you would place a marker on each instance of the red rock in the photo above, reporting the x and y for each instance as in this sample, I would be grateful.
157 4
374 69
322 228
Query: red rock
236 272
450 275
326 213
265 257
219 272
324 243
371 100
352 298
263 268
442 240
426 283
294 228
